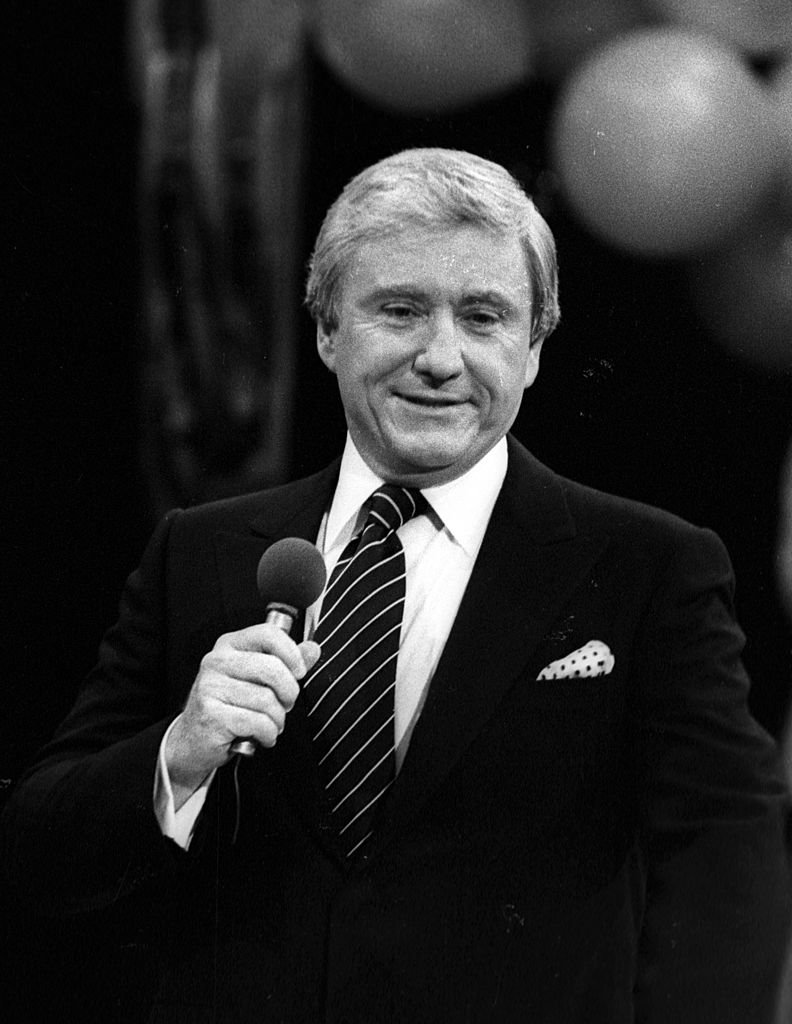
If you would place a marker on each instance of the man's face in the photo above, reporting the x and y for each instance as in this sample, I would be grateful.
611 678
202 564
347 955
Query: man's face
432 350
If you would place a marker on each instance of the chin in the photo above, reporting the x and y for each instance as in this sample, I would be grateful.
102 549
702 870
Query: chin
427 463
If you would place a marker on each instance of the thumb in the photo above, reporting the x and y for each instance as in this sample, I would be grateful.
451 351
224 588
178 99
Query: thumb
311 652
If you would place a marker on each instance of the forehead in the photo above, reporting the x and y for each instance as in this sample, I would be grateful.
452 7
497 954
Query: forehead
463 259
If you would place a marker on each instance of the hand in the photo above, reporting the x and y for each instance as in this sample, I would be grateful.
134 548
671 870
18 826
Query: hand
245 686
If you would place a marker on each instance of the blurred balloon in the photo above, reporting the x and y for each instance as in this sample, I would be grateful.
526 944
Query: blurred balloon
567 30
664 142
760 27
424 56
745 295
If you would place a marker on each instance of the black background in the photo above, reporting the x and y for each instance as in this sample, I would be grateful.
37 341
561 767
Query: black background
633 395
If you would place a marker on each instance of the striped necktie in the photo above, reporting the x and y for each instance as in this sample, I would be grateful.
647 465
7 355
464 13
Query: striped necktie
349 693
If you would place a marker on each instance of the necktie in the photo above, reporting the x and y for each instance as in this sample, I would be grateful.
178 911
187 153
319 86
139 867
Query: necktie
349 693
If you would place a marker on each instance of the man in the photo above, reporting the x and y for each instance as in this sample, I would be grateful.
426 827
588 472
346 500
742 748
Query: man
533 792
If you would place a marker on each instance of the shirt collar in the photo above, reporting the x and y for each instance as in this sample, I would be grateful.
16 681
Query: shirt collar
463 505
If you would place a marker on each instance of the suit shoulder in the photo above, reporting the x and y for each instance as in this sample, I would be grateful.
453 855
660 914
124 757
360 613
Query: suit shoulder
651 541
646 530
240 510
597 511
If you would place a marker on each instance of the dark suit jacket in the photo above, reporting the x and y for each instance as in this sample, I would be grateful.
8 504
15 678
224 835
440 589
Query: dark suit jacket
583 850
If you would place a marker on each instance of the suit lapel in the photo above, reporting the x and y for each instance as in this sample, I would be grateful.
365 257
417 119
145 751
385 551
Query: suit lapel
292 511
530 561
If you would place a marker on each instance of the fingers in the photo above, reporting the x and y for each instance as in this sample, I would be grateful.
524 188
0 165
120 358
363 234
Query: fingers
237 676
253 699
244 722
262 655
267 639
311 652
246 685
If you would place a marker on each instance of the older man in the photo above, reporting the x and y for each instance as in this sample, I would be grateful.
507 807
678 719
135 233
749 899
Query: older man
505 770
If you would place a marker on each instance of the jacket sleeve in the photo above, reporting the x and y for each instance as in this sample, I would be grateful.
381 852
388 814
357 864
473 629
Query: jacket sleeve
712 807
79 830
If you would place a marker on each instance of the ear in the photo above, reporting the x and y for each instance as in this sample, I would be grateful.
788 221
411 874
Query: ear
532 364
325 346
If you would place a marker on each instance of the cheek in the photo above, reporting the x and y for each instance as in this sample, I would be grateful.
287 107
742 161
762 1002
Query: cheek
364 369
348 364
502 379
357 387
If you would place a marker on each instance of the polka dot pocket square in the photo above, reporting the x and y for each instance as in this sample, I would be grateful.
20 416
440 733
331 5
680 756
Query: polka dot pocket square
593 659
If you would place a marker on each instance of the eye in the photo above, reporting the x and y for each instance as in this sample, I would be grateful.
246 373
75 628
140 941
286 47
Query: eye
483 320
399 311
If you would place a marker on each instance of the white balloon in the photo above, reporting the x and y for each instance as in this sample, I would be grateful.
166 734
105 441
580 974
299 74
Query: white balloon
665 142
423 56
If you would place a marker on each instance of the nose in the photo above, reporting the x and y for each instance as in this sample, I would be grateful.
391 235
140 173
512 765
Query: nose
440 355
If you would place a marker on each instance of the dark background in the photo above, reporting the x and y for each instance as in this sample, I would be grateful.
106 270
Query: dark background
633 397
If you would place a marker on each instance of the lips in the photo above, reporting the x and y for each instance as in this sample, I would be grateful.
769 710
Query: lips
431 401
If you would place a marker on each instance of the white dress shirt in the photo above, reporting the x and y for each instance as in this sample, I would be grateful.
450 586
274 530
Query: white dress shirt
440 549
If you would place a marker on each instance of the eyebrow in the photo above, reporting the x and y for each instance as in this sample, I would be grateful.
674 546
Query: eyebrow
485 296
491 297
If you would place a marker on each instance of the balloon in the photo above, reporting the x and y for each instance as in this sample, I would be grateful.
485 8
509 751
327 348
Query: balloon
760 27
567 30
424 56
745 295
664 142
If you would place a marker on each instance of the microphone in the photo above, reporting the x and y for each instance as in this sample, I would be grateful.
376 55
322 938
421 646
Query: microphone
293 569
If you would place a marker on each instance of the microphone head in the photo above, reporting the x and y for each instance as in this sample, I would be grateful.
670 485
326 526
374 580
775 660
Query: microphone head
291 572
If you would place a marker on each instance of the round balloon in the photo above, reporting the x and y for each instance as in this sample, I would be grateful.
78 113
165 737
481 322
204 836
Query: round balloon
424 56
745 295
664 142
759 27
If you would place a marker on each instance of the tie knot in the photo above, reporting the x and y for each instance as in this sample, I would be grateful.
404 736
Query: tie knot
392 506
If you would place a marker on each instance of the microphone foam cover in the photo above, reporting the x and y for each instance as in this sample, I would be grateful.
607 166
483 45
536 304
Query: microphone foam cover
291 571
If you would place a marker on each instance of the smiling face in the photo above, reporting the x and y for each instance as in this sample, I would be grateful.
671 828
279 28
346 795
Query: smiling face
432 350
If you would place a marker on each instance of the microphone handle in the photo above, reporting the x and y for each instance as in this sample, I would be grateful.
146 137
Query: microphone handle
282 616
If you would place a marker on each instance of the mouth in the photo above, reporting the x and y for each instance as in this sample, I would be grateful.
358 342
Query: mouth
430 401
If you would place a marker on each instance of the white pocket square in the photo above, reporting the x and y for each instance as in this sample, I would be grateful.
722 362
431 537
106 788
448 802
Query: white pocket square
593 659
